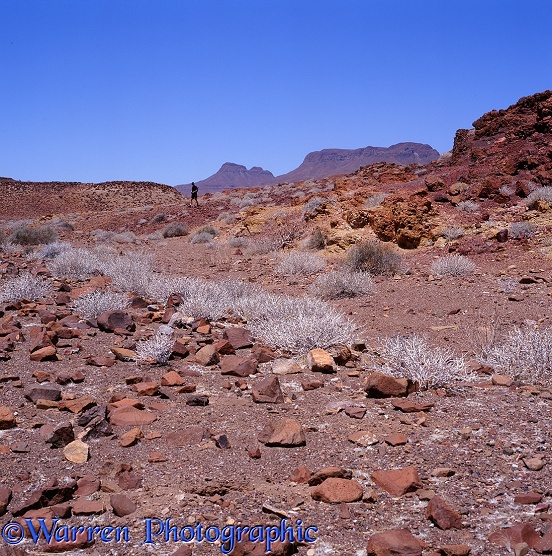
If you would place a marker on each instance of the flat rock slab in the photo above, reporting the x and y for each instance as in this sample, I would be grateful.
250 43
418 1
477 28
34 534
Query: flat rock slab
397 481
381 385
238 338
188 437
283 432
234 365
336 491
396 542
130 416
407 406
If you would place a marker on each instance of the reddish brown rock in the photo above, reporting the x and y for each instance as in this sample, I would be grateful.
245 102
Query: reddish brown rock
502 380
82 506
443 515
329 473
355 411
87 485
123 354
510 536
131 437
188 437
544 544
77 405
396 542
238 338
130 416
455 550
207 356
320 361
171 378
47 391
268 391
395 439
122 505
48 353
311 384
7 418
101 361
283 432
234 365
5 497
109 321
335 491
146 388
380 385
300 475
529 498
397 481
407 406
61 436
263 354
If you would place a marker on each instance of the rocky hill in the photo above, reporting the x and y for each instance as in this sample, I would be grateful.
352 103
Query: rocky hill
22 199
317 165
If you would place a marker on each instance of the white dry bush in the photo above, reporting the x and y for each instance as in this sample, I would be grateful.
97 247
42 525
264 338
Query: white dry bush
452 232
52 250
93 304
295 324
430 367
540 194
238 242
453 265
262 246
202 237
132 272
311 207
375 200
341 284
467 206
25 286
76 264
525 354
158 348
300 262
522 230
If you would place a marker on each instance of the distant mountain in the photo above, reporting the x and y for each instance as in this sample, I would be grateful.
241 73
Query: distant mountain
329 162
231 176
317 165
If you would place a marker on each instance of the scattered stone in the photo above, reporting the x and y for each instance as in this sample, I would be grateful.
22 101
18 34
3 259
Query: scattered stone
7 418
171 378
5 498
380 385
156 457
101 361
283 432
320 361
48 353
455 550
355 411
544 544
238 338
311 384
130 416
283 366
60 436
397 481
197 400
49 391
235 365
442 472
254 453
335 491
268 391
82 506
363 438
329 473
123 354
221 441
510 536
207 356
87 485
407 406
122 505
301 475
396 542
188 437
521 549
443 515
76 452
529 498
502 380
395 439
149 388
77 405
131 437
533 464
109 321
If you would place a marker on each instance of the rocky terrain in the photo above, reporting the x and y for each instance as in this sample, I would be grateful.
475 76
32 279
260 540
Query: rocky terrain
317 165
208 365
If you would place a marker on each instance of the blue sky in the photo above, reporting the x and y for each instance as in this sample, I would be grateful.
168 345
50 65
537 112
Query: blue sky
169 90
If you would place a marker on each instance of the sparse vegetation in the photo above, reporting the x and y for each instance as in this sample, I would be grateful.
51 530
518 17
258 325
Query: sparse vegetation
430 367
342 284
374 256
23 234
175 229
525 354
25 286
453 265
316 241
158 348
522 230
262 245
467 206
158 218
77 264
375 200
201 237
93 304
540 194
299 262
238 242
451 233
311 207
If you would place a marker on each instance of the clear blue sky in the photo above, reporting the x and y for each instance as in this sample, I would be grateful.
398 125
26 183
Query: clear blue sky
168 90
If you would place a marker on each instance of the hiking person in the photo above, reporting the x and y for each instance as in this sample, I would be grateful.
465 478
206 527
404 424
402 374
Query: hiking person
194 194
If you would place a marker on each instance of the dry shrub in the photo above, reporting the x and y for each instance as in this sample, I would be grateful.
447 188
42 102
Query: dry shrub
158 348
299 262
22 234
25 286
374 256
342 284
316 241
430 367
453 265
452 232
467 206
522 230
175 229
93 304
540 194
